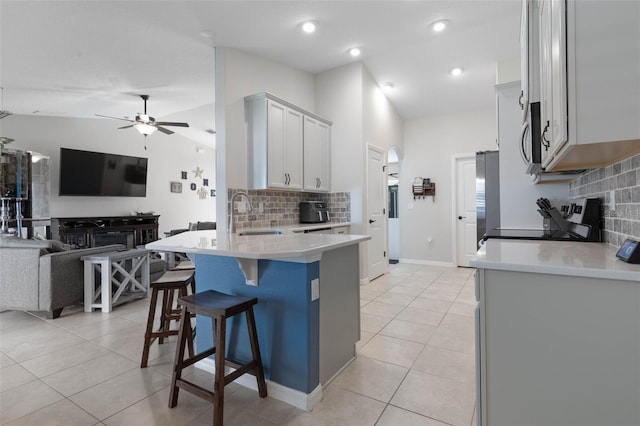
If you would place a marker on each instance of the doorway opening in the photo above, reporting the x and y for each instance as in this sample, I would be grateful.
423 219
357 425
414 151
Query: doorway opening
393 181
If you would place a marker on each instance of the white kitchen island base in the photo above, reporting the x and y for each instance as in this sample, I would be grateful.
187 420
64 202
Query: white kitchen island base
558 345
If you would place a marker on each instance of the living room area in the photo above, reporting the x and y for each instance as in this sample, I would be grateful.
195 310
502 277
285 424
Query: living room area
42 260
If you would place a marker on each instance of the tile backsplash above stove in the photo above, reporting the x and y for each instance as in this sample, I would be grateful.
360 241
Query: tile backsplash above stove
623 179
272 208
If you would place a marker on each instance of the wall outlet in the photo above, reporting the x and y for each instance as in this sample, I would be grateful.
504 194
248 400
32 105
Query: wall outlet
315 289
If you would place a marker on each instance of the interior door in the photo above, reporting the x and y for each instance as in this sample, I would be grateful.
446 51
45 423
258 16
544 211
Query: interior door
376 208
466 238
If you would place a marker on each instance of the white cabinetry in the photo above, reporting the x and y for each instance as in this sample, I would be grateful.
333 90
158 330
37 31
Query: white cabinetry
553 77
543 358
341 230
589 65
277 151
317 155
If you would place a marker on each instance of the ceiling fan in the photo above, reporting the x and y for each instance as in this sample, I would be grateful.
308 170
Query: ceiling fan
146 124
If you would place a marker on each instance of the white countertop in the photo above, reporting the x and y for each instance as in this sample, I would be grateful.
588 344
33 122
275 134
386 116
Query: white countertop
284 246
593 260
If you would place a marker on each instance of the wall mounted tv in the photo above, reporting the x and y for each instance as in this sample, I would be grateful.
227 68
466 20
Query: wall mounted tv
91 173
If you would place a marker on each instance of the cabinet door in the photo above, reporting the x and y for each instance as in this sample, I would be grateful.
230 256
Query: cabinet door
323 156
316 155
276 128
293 149
523 100
553 77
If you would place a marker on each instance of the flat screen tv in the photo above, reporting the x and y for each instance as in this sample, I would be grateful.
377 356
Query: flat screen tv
91 173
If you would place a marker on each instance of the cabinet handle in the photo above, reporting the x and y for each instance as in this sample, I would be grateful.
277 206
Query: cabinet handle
523 138
545 142
520 99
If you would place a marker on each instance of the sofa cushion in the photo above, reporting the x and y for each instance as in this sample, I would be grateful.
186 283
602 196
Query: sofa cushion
58 246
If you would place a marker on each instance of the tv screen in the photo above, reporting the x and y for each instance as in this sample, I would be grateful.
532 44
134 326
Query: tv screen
100 174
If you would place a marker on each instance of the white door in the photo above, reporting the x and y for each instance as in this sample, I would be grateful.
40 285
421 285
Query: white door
466 244
376 208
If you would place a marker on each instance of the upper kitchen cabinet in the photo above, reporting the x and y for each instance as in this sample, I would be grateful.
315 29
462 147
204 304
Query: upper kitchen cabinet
589 70
275 143
283 143
317 155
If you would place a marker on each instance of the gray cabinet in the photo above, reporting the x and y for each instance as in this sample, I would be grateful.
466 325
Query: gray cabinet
275 144
317 155
556 350
588 64
288 146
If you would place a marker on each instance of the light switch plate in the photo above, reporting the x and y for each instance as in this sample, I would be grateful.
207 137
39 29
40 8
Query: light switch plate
315 289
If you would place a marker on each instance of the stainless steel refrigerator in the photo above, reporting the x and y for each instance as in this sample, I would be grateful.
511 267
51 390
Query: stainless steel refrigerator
487 191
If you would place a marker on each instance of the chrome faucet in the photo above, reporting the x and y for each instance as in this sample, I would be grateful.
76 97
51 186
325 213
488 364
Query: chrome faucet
232 226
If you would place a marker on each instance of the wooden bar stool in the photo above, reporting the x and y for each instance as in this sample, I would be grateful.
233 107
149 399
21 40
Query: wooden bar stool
218 307
186 265
167 284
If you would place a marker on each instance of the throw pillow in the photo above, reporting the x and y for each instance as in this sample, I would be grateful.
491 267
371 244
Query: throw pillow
58 246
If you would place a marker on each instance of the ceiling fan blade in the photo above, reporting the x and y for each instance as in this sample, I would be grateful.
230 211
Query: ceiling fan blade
169 123
125 127
163 130
115 118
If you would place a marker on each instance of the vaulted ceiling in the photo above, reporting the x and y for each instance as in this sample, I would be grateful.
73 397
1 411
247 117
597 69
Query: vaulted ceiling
78 58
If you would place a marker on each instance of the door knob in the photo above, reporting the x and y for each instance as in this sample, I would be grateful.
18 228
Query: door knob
371 220
461 217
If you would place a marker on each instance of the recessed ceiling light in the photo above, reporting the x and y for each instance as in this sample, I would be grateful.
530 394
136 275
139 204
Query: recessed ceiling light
439 25
387 86
309 27
355 51
456 71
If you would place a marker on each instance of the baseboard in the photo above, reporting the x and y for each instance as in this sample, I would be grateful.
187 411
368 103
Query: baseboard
275 390
428 263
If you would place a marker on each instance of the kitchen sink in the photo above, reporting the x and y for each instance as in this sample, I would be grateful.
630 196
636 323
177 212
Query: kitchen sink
261 232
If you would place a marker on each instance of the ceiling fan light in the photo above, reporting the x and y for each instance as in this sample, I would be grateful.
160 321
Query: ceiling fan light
144 129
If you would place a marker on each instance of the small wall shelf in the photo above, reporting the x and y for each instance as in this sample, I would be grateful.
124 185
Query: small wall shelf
424 190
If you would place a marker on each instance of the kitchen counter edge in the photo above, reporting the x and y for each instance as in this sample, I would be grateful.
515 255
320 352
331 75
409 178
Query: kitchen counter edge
592 260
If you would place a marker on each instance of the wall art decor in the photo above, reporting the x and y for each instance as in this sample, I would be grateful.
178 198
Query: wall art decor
213 192
202 193
205 182
197 173
184 175
193 186
176 187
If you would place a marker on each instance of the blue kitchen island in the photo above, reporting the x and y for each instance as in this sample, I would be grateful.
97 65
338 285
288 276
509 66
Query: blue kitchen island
308 311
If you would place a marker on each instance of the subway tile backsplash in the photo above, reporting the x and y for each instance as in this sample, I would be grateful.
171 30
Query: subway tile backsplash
273 208
623 178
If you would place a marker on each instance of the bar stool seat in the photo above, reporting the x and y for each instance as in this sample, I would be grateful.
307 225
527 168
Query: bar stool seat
167 284
219 307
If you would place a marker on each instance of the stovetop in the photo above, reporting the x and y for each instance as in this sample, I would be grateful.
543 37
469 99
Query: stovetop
531 234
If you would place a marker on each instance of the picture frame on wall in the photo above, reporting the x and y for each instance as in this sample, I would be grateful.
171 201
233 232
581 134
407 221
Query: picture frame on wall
176 187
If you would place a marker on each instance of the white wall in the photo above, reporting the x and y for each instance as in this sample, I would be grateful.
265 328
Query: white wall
339 98
168 156
361 115
429 144
238 75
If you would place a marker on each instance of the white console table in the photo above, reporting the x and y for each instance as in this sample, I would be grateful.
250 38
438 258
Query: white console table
118 282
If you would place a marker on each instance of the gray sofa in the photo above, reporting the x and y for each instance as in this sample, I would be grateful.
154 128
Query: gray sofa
33 280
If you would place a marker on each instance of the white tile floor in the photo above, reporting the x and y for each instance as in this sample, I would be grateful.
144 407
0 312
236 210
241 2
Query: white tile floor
415 365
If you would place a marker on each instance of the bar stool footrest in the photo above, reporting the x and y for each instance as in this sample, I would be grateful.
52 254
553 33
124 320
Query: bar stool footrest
196 390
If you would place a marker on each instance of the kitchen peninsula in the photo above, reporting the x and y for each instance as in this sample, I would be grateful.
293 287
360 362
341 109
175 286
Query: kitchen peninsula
557 334
308 311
